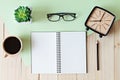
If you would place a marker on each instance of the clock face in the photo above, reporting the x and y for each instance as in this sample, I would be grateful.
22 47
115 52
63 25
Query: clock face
100 20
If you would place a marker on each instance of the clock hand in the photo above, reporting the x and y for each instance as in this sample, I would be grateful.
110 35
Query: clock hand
102 16
95 20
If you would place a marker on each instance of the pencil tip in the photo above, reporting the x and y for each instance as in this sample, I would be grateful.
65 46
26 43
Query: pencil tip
97 42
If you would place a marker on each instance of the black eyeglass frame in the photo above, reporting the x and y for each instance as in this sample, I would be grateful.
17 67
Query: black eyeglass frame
61 15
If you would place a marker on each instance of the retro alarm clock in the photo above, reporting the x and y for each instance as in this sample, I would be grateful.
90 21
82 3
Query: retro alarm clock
100 21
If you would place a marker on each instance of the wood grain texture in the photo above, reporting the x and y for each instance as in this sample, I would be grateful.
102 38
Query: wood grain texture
117 50
48 77
27 75
13 68
107 56
1 37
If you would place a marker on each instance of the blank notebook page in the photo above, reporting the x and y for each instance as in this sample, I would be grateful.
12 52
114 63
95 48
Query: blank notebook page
61 52
43 52
73 52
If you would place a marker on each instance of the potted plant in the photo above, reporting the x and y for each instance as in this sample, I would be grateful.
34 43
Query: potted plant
23 14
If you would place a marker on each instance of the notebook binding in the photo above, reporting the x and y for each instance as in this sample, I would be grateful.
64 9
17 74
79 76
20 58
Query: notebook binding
58 52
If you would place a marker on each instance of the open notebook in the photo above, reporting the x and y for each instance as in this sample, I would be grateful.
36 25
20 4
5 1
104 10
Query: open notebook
58 52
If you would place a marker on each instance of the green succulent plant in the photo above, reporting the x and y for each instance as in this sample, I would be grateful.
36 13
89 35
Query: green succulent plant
23 14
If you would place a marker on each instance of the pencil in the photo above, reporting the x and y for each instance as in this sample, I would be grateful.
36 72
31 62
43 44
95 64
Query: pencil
98 65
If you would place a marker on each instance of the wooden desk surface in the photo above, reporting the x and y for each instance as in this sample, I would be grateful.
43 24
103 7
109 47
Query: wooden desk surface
12 68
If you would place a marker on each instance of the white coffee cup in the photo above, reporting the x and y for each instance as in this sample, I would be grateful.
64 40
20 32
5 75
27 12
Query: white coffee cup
12 45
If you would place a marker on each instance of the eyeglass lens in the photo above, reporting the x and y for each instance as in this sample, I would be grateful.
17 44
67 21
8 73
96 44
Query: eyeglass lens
54 18
68 17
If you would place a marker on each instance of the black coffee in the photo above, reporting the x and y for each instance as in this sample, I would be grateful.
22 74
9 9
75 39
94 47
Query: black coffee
12 45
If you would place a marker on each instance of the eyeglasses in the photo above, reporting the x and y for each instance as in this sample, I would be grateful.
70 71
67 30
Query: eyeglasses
56 16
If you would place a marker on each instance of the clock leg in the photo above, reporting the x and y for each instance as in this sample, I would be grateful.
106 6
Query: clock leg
100 35
87 28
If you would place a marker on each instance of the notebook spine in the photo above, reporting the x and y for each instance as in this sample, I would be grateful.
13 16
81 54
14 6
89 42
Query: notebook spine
58 52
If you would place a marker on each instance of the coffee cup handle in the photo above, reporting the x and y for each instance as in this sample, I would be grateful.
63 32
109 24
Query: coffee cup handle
5 55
